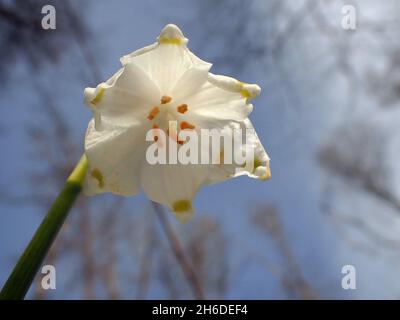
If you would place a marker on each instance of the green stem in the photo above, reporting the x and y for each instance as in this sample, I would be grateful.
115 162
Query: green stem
27 266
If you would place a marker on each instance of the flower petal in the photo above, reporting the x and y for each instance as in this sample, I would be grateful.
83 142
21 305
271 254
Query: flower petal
247 90
125 96
222 100
114 158
127 58
173 185
190 82
214 107
259 169
167 60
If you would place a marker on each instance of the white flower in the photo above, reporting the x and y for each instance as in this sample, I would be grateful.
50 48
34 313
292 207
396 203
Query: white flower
157 84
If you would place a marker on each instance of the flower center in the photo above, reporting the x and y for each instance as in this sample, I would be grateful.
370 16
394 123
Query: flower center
165 112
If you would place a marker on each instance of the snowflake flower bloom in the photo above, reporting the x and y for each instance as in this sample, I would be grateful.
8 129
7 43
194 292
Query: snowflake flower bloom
160 83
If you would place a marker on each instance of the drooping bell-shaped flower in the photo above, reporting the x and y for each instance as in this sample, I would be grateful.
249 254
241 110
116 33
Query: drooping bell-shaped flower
165 88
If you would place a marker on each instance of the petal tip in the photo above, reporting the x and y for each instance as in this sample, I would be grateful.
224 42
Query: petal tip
247 90
263 172
93 96
171 34
89 94
183 210
250 91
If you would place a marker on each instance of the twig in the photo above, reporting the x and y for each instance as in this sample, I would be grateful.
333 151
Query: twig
179 253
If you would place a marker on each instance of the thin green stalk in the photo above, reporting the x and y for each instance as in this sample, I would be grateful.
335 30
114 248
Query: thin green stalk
27 266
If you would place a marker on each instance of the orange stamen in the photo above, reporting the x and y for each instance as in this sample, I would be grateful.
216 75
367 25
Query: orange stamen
155 135
186 125
182 108
165 99
153 113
